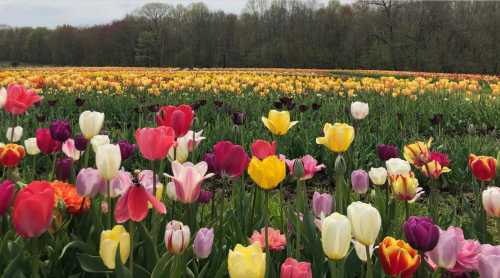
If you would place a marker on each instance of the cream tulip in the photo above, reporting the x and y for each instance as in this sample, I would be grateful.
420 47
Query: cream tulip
91 123
359 110
491 201
3 97
31 147
378 176
108 160
14 135
361 250
397 167
99 140
336 236
365 220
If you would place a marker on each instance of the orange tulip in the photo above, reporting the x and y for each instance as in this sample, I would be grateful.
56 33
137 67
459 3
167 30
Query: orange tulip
11 155
483 167
398 258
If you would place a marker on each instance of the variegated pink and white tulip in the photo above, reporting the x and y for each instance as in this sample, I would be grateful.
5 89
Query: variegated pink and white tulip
187 179
70 150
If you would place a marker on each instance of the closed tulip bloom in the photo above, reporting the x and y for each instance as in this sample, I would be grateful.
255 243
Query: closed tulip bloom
63 168
433 169
360 250
108 160
14 135
338 137
246 262
126 149
365 221
278 122
482 167
177 236
267 173
378 176
276 240
20 99
99 140
110 241
491 201
11 155
360 181
291 268
60 130
404 187
155 143
31 147
184 145
398 258
89 183
262 148
70 150
3 97
359 110
386 152
188 179
309 167
417 153
32 211
203 241
45 142
489 261
322 204
421 233
228 159
7 189
205 197
180 118
133 205
171 191
445 253
397 167
81 142
91 123
336 236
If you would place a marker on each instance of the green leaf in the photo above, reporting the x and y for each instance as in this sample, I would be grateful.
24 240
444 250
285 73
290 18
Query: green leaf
140 272
78 244
162 264
121 270
92 264
14 266
222 270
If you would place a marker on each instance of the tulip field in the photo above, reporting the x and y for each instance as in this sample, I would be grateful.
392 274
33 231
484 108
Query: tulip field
248 173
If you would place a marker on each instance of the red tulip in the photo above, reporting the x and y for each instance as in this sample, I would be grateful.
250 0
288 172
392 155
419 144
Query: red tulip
134 205
291 268
262 148
482 167
229 160
19 99
7 189
11 155
179 118
154 143
45 142
32 213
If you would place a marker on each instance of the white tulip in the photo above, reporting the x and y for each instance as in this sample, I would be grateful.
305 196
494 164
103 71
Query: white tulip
185 144
378 176
98 141
398 167
359 110
361 250
91 123
69 149
14 135
31 146
365 221
336 236
108 159
491 201
3 97
171 191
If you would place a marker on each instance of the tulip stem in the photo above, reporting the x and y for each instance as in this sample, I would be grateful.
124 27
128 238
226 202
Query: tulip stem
266 234
51 175
498 226
35 266
437 273
86 156
369 272
333 268
407 210
110 208
131 232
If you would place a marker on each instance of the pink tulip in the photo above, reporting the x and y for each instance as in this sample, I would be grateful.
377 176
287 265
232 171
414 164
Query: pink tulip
69 149
322 204
154 143
445 253
120 183
133 205
291 268
89 182
310 165
7 189
468 254
262 148
489 261
187 179
20 99
145 178
276 240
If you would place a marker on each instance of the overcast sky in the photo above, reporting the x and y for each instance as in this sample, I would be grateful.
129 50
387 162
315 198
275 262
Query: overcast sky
50 13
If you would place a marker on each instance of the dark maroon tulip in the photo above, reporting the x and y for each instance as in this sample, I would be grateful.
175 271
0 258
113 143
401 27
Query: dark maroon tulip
205 197
303 108
154 108
60 130
7 189
238 118
229 160
79 102
286 100
386 152
316 106
437 119
63 168
209 158
278 105
218 103
41 117
52 103
126 149
421 233
290 106
81 142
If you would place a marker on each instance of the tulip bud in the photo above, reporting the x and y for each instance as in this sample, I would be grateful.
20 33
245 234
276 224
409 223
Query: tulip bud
378 176
108 160
336 236
60 130
340 166
11 155
491 201
202 244
7 189
14 135
63 168
91 123
3 97
298 169
322 204
126 149
177 237
359 110
69 149
171 191
360 181
81 142
110 241
31 146
366 222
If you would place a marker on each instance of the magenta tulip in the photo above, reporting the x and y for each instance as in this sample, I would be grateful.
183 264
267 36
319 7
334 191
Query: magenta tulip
7 189
228 159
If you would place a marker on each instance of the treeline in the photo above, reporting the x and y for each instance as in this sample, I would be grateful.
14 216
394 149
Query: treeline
445 36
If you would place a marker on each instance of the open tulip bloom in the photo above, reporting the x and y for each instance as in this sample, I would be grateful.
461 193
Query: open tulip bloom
133 205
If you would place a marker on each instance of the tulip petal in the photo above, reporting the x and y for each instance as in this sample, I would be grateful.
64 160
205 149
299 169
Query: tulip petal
159 206
137 203
121 209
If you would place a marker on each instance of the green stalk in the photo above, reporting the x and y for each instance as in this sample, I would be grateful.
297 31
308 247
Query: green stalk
86 156
35 266
110 208
51 175
266 234
407 210
34 167
131 232
333 268
498 226
369 268
437 273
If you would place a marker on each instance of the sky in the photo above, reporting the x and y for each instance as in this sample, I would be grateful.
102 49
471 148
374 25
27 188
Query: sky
50 13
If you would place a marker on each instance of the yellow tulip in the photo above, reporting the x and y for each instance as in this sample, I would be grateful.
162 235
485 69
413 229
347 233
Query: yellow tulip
278 122
338 137
267 173
110 240
418 153
246 262
404 187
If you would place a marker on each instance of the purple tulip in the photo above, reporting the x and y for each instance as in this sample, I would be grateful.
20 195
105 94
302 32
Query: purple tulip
238 118
81 142
386 152
63 168
360 181
421 233
205 197
209 158
89 182
322 204
60 130
7 189
126 149
202 244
